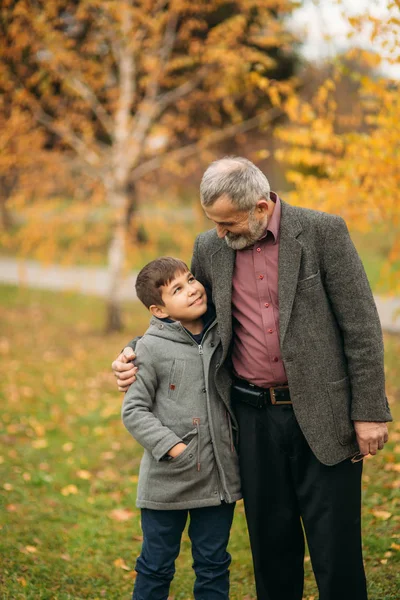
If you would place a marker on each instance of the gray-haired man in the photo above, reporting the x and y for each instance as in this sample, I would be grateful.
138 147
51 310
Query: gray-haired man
298 322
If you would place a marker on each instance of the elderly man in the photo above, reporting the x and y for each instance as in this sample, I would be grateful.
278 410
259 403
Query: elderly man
300 328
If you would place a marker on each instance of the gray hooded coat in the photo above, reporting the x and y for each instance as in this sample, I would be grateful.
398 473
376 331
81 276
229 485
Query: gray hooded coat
175 399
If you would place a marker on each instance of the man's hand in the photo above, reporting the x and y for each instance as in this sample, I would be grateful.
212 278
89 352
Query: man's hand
177 450
371 437
124 370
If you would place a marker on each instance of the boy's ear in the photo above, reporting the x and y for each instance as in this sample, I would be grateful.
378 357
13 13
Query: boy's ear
158 311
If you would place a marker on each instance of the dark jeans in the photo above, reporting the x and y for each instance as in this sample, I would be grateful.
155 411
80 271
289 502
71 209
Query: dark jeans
286 488
162 531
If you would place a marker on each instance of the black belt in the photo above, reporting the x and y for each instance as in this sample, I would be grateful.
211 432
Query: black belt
259 397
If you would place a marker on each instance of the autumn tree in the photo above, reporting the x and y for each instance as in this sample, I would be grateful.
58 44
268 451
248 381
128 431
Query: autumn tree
345 160
131 85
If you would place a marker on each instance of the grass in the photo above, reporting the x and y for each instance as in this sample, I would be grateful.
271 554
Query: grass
69 526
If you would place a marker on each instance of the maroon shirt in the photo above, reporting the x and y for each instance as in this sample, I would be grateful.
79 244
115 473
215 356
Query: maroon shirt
255 309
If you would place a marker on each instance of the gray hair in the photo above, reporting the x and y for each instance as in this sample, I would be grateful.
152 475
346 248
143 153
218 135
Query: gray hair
237 178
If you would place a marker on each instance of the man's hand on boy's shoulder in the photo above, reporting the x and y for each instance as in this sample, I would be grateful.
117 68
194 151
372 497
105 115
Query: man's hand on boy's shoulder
124 369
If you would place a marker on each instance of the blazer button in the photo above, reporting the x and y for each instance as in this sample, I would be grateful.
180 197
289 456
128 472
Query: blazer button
212 344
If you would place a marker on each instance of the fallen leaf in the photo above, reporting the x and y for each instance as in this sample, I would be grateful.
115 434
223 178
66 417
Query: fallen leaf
82 474
26 477
40 443
388 554
119 562
384 561
121 514
68 446
66 557
31 549
69 489
22 581
8 487
107 455
11 508
395 546
382 514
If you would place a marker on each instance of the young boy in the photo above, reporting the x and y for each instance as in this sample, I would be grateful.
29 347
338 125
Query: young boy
175 412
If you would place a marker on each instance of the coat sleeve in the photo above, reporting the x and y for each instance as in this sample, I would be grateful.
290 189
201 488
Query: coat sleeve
197 267
355 311
137 407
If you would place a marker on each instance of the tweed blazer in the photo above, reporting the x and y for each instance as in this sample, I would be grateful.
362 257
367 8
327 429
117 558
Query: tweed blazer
330 333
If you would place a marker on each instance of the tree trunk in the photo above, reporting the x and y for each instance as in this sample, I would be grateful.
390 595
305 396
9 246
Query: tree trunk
116 259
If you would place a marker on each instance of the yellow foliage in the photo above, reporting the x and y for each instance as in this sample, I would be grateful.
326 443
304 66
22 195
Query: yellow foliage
347 164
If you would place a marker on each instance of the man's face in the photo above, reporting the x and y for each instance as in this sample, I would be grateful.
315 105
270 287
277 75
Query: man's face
239 228
184 298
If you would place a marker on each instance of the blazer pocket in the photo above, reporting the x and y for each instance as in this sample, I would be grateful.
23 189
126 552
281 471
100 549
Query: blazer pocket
308 282
339 393
175 377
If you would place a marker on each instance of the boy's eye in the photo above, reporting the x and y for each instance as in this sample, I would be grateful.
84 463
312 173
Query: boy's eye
176 289
192 279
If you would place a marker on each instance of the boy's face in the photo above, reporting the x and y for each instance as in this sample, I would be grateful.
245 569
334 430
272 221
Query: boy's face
184 298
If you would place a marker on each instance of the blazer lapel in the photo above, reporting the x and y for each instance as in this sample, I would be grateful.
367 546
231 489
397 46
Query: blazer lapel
222 265
290 250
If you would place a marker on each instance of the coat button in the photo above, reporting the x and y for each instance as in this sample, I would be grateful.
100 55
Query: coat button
204 390
190 455
212 344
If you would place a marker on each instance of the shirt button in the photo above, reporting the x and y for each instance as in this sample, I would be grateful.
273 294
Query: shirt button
261 277
258 249
275 359
266 305
270 331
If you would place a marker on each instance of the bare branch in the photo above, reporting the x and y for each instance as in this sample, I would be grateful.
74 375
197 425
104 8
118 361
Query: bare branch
87 94
89 156
218 136
150 108
174 95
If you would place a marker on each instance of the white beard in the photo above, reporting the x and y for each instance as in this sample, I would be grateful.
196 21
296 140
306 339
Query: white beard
241 241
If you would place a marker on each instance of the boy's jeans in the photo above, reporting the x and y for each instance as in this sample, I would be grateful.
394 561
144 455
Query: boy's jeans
162 531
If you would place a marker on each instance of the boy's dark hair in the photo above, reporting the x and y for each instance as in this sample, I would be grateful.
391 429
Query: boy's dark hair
155 274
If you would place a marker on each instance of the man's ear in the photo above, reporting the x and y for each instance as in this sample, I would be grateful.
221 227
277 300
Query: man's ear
158 311
262 206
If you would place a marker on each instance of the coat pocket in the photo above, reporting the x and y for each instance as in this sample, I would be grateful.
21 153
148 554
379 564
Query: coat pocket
175 377
190 439
309 282
339 393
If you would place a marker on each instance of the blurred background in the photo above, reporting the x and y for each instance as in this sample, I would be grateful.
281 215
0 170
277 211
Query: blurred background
110 111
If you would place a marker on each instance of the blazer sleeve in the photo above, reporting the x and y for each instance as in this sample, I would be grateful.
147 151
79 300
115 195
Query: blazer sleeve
355 310
137 407
197 267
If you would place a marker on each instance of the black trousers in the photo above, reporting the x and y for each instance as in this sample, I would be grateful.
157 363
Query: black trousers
285 486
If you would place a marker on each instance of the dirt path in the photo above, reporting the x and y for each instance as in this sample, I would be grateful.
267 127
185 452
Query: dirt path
94 280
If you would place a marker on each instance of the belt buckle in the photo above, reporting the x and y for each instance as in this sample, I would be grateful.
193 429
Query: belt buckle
273 397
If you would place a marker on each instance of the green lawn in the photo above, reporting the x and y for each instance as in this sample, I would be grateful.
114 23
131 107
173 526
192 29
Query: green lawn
68 469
